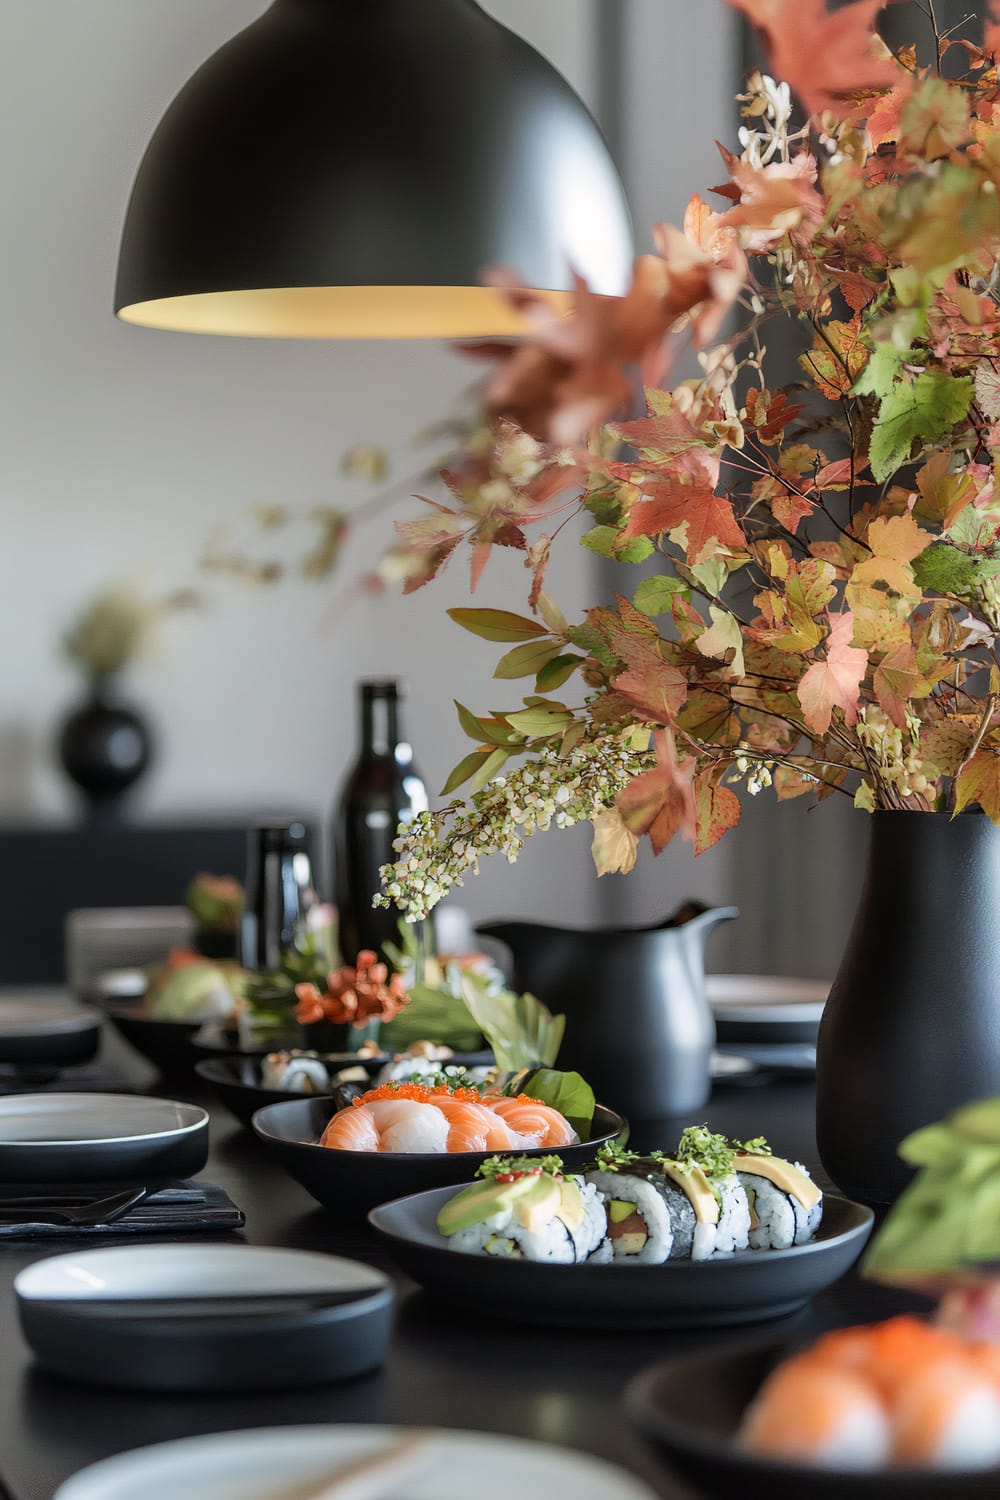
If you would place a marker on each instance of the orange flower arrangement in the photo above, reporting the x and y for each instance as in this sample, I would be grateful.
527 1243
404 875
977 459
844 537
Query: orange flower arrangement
355 995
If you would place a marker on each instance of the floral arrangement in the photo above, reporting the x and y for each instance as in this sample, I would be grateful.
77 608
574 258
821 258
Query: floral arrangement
118 626
818 607
215 902
353 995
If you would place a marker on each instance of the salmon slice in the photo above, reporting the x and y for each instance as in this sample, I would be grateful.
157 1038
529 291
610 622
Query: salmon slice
538 1124
352 1130
473 1127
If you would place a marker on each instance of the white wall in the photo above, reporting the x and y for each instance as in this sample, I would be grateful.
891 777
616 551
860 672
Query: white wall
121 448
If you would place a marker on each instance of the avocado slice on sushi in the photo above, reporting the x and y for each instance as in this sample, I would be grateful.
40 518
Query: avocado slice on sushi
535 1197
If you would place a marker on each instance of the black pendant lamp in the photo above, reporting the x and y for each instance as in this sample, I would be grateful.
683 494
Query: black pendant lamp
349 168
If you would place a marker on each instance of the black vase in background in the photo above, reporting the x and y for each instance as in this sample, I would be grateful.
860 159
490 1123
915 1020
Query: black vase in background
382 790
104 748
279 890
912 1026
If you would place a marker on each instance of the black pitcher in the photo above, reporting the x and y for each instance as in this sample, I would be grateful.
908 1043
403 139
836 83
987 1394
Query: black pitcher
638 1026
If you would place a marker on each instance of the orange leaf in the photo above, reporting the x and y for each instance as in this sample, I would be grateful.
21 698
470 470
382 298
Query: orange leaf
835 682
710 520
895 680
979 781
718 810
661 802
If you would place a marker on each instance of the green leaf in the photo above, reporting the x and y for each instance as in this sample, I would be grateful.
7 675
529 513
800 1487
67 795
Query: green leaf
484 731
881 372
556 671
947 570
603 506
588 638
432 1012
925 409
570 1094
655 595
498 624
489 768
541 721
527 659
519 1028
606 542
466 767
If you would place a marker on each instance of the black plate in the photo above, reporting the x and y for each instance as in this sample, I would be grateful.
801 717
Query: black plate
205 1317
741 1288
351 1182
693 1408
47 1029
69 1137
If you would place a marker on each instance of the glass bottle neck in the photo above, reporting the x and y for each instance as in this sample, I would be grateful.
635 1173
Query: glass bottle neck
379 725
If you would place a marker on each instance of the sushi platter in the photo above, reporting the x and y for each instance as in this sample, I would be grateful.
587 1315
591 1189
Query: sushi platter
741 1288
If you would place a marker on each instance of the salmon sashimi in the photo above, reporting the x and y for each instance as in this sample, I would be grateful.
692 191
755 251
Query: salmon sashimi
388 1125
537 1124
474 1127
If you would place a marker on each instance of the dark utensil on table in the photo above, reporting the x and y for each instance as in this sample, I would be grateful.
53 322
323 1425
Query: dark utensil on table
81 1215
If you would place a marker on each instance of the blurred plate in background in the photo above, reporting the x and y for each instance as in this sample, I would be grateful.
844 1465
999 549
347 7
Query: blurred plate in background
48 1027
766 1007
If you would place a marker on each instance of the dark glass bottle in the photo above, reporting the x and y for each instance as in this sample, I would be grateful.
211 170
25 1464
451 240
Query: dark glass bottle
279 890
382 790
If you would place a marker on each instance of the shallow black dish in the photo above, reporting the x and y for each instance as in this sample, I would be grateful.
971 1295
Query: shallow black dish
48 1030
204 1318
743 1288
236 1080
69 1137
351 1182
693 1408
165 1043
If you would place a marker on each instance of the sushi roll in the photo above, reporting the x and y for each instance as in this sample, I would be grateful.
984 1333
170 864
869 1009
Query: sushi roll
786 1206
525 1210
294 1073
699 1147
657 1209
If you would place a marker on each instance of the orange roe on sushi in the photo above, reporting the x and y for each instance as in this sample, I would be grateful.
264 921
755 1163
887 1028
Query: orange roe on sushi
421 1093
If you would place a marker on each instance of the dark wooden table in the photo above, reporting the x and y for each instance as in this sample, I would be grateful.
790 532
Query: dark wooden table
444 1368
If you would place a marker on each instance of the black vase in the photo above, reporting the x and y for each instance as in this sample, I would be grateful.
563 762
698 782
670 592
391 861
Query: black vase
912 1026
104 748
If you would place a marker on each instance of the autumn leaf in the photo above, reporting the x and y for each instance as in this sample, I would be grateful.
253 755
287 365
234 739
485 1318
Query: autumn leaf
944 495
835 682
654 688
926 409
894 541
827 57
498 624
709 520
614 845
933 121
979 782
661 801
837 357
769 414
896 680
722 638
718 809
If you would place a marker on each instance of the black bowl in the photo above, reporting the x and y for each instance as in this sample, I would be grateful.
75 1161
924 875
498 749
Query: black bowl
236 1080
352 1182
693 1408
48 1030
165 1043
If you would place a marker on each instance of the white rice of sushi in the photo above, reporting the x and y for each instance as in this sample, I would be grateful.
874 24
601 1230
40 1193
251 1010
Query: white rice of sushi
588 1236
650 1204
503 1235
733 1229
294 1075
783 1221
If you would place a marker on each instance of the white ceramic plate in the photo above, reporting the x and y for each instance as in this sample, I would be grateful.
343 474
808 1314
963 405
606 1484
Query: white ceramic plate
766 996
766 1007
94 1137
216 1271
259 1465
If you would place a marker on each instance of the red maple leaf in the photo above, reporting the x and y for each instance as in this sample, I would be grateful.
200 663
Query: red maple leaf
710 519
661 802
827 57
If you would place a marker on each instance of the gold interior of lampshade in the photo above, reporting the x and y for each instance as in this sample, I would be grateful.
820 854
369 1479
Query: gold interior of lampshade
341 312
